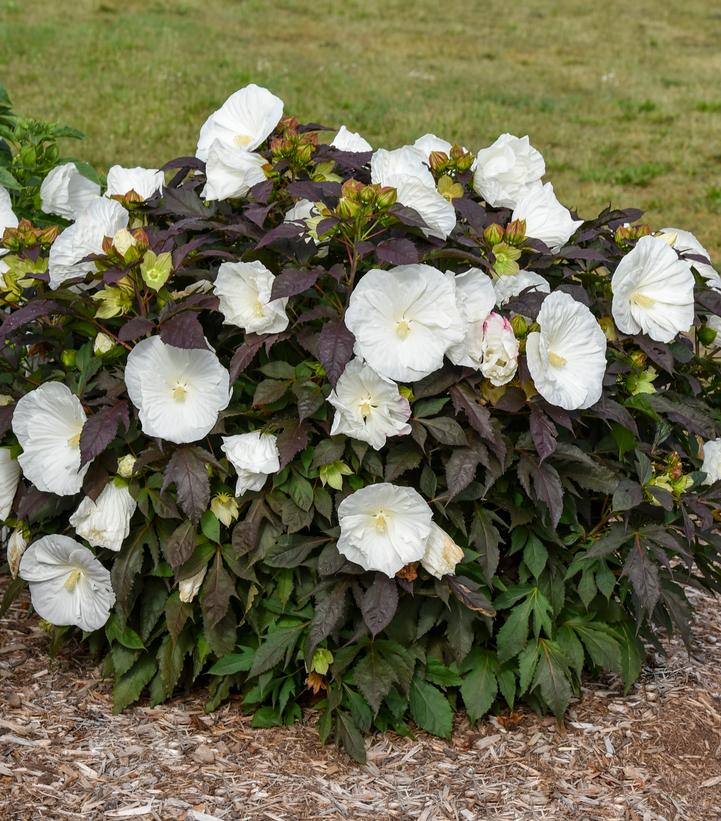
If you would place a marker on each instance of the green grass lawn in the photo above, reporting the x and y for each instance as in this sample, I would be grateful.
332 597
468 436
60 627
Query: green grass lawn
623 100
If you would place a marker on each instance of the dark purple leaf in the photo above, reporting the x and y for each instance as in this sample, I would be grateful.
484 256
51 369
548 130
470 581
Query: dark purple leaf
100 430
294 281
179 546
286 230
460 470
184 331
245 355
478 415
643 575
135 328
184 203
327 192
408 216
6 418
268 391
473 213
379 603
291 442
543 432
187 469
218 587
27 314
335 349
257 213
184 162
467 592
397 252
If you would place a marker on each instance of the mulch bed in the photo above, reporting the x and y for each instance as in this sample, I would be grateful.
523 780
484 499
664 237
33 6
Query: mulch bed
651 755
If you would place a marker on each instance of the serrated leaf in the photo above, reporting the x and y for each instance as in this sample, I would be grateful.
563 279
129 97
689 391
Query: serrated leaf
379 603
551 677
349 737
643 575
335 349
401 458
535 555
485 538
277 647
130 685
430 709
234 663
374 677
480 687
218 587
179 546
329 609
187 469
513 635
460 470
100 429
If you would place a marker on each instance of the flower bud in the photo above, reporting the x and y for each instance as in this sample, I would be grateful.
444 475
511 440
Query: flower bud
103 343
387 197
515 233
347 209
188 588
333 473
156 269
519 325
123 241
368 195
126 465
707 335
16 547
67 357
493 234
609 328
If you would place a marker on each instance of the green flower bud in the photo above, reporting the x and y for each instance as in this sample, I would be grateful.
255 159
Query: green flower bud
103 343
493 235
126 464
707 335
519 325
67 357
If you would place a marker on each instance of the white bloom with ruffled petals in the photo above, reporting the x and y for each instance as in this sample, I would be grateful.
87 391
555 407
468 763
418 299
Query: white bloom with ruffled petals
567 357
9 478
442 553
68 585
384 527
254 456
47 422
514 284
475 298
405 170
17 544
243 290
686 243
145 182
404 320
105 522
352 141
368 406
507 170
499 349
66 192
429 143
102 218
653 291
546 219
712 461
243 122
7 215
230 172
179 392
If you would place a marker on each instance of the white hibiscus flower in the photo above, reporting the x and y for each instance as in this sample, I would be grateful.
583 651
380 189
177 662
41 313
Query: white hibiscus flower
507 170
712 461
384 527
17 544
102 218
243 289
346 140
230 172
442 553
499 350
567 357
178 392
9 479
68 585
145 182
653 291
404 320
7 215
368 406
546 219
66 192
405 170
105 522
243 122
47 422
509 286
429 143
254 456
686 243
475 298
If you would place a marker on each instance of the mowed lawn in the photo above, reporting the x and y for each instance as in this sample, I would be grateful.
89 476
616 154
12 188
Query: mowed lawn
624 100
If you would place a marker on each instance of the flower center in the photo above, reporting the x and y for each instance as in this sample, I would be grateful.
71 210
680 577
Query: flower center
380 521
366 407
557 360
642 300
259 309
74 441
242 140
72 579
403 328
180 391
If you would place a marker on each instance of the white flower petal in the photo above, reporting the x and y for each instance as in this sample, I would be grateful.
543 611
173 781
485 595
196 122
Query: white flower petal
346 140
429 143
499 350
9 479
178 392
17 544
47 422
507 287
384 527
506 170
231 172
712 461
7 215
475 297
686 243
567 358
653 291
254 456
442 553
105 522
66 192
146 182
404 320
243 290
546 219
68 585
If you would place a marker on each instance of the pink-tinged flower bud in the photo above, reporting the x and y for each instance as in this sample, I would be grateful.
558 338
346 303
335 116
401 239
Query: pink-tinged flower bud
500 350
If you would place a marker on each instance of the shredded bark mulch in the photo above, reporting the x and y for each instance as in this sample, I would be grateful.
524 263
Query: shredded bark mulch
653 755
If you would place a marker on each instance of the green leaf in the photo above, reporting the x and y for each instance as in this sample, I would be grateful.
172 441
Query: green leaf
125 635
513 635
430 708
176 613
210 526
485 538
480 687
349 737
234 663
278 370
152 604
128 564
587 587
300 491
122 659
601 645
267 716
329 609
400 459
572 647
128 687
535 555
507 685
269 391
218 587
359 710
552 677
374 677
171 659
278 647
527 661
438 673
445 430
605 579
631 655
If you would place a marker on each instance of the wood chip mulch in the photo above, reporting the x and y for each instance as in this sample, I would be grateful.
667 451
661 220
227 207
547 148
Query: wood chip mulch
653 755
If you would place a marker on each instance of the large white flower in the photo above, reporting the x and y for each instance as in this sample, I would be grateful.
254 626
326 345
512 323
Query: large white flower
178 392
66 192
243 290
546 219
68 585
47 422
429 143
712 461
475 298
509 286
7 215
384 527
442 553
567 357
686 243
145 182
254 456
506 170
346 140
9 478
105 522
368 406
102 218
243 122
653 291
404 320
499 349
230 172
17 544
405 170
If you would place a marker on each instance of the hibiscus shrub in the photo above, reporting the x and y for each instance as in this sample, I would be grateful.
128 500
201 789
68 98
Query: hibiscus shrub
389 433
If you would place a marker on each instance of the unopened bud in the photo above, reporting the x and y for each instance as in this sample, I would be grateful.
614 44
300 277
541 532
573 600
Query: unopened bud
519 325
493 234
387 197
126 465
515 232
67 357
103 343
